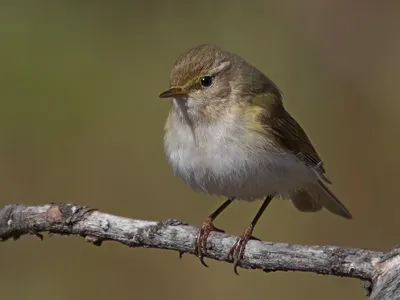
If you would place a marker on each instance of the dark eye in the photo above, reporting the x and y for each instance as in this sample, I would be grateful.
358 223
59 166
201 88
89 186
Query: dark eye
206 81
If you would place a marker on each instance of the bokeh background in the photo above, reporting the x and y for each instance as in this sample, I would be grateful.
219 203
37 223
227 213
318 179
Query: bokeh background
80 121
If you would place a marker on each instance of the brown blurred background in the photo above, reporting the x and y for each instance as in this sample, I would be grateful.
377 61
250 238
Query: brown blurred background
80 122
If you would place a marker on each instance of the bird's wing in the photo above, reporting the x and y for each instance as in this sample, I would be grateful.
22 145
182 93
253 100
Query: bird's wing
283 129
289 134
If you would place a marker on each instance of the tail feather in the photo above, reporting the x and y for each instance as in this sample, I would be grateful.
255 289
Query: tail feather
330 202
304 201
316 196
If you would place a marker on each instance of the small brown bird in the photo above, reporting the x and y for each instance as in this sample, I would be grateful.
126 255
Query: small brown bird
228 134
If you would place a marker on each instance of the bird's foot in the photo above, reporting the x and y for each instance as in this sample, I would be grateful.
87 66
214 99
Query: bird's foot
201 239
237 251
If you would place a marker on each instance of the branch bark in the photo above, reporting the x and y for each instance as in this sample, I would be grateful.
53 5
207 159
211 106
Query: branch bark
380 271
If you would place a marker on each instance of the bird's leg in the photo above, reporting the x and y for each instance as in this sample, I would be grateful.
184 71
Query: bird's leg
237 251
206 228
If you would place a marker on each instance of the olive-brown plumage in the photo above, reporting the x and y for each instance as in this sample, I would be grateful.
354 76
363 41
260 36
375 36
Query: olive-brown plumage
229 134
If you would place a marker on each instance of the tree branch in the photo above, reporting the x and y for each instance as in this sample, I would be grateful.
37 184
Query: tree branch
378 269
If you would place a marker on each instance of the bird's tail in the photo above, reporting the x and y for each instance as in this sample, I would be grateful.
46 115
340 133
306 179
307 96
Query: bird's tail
316 196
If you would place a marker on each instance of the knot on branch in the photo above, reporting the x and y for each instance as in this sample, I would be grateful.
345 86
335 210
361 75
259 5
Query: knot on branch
19 219
69 213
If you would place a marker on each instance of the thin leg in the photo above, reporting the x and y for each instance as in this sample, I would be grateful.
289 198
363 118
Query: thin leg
237 251
206 228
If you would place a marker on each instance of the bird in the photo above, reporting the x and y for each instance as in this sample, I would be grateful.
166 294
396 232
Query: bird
229 134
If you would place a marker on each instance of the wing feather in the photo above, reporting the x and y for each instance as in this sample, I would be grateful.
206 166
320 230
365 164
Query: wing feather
288 133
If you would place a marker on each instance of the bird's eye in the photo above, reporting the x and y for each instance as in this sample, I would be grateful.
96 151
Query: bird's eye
206 81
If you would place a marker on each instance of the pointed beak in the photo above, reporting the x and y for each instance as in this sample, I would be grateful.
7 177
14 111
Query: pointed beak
174 91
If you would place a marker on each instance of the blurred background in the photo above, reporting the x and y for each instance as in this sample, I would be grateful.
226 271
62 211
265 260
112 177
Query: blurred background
80 121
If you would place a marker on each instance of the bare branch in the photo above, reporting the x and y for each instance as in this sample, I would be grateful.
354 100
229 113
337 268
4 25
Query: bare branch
96 227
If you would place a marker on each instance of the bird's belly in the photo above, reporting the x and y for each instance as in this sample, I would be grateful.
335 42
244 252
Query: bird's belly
235 169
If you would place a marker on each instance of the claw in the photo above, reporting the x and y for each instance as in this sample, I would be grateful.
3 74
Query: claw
237 251
200 248
201 239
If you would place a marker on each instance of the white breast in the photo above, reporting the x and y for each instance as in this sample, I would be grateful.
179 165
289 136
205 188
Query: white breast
225 160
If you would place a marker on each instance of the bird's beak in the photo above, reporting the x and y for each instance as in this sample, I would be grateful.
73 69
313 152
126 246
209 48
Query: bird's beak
174 91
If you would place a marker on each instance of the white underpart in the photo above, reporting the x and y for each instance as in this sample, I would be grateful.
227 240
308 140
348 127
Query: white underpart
225 160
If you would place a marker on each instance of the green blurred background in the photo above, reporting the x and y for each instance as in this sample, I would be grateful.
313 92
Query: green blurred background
80 121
